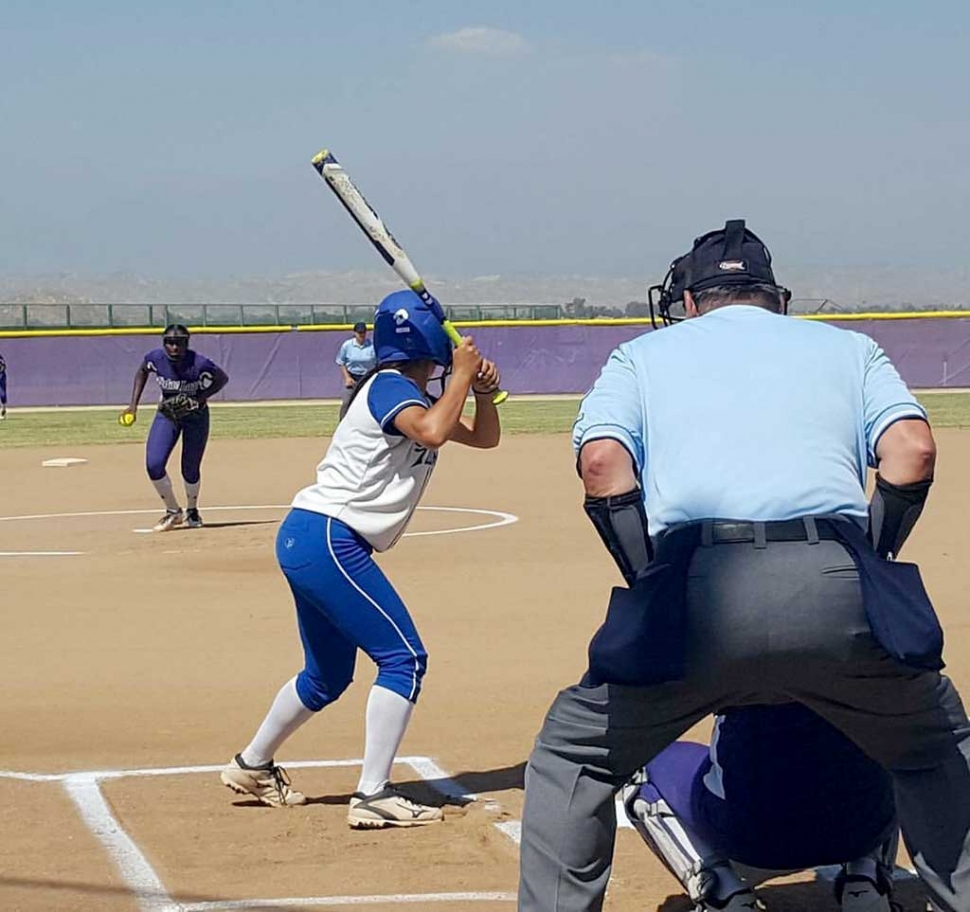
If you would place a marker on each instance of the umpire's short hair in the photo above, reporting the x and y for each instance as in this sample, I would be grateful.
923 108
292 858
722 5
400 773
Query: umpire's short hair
758 294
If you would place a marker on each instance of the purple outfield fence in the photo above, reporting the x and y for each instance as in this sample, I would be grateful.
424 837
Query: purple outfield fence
98 370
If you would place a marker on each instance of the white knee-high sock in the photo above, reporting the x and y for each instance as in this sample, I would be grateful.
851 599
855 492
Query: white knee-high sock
388 715
192 494
164 487
285 716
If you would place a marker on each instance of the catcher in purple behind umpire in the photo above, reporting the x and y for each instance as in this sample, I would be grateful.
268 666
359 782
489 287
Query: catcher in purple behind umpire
763 576
187 380
779 790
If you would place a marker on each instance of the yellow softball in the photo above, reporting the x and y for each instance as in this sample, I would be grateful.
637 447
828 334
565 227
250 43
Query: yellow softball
126 419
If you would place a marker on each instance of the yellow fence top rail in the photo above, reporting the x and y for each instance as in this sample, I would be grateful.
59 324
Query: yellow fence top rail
137 331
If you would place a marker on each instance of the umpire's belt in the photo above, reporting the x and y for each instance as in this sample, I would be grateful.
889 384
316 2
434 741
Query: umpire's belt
643 639
808 529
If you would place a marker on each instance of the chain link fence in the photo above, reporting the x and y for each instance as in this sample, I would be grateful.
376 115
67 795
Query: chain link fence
135 316
24 316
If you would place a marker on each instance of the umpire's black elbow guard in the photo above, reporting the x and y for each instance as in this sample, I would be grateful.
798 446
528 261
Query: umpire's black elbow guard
621 522
893 512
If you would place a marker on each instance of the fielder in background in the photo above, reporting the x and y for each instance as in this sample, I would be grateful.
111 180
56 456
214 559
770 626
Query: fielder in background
778 790
356 359
186 380
3 388
368 485
763 576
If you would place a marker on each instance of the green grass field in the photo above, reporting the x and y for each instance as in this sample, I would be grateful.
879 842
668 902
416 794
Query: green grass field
519 416
87 426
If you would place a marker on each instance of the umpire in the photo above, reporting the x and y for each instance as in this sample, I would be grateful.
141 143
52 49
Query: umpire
356 358
745 437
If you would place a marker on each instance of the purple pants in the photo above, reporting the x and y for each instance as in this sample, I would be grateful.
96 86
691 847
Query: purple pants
163 436
795 792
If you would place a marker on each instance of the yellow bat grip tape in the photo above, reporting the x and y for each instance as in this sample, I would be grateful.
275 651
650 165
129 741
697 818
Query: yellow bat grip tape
455 337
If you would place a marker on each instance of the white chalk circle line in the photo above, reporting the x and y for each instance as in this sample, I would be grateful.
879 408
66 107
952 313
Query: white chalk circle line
500 518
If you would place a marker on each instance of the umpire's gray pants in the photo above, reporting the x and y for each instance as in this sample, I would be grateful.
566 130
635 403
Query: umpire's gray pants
783 622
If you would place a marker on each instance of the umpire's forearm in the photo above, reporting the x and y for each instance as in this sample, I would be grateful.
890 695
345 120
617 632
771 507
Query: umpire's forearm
906 453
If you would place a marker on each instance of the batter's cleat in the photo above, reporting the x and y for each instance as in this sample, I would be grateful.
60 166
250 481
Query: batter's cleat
860 894
269 784
192 518
742 901
170 520
389 808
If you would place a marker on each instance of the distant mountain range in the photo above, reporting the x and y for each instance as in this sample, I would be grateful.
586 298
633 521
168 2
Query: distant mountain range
847 288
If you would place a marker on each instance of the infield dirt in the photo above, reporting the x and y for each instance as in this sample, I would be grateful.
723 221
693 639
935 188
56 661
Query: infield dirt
165 651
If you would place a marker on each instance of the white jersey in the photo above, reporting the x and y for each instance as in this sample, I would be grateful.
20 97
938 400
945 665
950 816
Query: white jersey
372 476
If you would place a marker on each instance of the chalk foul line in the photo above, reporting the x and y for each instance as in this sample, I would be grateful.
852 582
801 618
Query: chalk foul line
145 884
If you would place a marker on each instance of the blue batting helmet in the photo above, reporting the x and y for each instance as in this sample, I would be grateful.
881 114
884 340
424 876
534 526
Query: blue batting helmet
405 329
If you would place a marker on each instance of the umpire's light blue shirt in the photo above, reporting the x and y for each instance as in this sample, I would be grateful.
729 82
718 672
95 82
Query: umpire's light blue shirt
745 414
356 357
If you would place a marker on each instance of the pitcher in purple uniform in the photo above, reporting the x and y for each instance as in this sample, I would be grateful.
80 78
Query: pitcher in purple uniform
180 371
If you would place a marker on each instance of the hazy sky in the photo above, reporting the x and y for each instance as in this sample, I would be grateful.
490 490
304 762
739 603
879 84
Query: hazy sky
547 137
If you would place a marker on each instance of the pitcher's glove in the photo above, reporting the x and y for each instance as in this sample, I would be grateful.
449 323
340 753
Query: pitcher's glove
177 407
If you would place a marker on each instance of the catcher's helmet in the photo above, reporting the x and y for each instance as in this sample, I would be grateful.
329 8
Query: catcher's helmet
405 329
732 255
175 334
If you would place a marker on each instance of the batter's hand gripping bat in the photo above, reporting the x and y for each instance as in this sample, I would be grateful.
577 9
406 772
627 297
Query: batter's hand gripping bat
393 254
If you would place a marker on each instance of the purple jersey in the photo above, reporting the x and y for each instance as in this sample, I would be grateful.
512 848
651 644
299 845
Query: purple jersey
193 375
